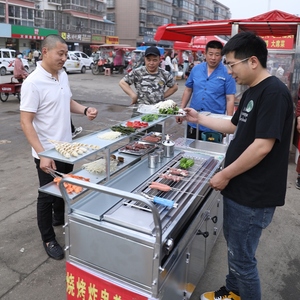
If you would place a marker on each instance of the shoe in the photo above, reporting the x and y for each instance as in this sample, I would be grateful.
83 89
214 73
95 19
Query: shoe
56 222
297 184
77 131
54 250
221 294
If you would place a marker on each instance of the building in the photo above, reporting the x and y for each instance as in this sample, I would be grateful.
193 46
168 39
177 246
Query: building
81 23
136 20
86 23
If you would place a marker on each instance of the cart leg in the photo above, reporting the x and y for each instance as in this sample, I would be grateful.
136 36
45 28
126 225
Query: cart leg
3 97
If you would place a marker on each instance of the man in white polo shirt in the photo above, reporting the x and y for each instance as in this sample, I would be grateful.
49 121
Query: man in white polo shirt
46 107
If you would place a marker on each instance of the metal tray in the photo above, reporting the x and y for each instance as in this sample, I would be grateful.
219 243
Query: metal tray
153 133
138 151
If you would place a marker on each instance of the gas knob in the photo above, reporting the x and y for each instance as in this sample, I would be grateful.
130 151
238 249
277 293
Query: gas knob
169 245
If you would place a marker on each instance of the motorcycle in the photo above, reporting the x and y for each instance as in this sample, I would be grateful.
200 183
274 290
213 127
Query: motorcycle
100 63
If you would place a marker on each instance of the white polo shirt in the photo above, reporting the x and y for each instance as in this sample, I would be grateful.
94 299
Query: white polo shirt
50 100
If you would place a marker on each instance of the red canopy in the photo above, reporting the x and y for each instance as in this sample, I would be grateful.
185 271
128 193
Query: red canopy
197 43
274 23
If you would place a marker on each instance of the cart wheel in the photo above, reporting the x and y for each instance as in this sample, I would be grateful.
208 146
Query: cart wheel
4 96
95 69
18 96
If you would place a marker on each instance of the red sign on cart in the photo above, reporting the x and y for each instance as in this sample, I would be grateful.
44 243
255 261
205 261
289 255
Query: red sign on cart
84 285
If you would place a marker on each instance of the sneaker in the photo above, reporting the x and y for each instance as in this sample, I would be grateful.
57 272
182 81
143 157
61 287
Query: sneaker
54 250
221 294
77 131
297 184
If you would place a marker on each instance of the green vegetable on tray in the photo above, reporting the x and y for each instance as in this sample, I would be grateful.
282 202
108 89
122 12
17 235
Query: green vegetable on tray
123 129
149 118
186 163
169 111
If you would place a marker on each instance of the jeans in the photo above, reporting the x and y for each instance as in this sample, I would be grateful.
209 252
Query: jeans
48 204
242 230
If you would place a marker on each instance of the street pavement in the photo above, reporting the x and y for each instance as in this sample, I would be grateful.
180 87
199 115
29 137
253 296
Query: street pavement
27 273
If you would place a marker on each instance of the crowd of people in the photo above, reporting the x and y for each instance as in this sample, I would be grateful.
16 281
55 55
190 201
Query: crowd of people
261 128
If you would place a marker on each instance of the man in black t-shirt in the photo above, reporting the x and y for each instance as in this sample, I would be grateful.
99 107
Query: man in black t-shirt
253 180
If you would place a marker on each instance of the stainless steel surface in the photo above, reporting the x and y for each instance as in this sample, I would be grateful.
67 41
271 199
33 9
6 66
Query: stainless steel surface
168 147
152 160
160 153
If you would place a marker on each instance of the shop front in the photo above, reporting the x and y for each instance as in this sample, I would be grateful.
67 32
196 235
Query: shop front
25 38
77 41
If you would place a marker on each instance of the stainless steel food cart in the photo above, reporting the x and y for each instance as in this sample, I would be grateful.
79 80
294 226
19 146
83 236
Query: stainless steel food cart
127 241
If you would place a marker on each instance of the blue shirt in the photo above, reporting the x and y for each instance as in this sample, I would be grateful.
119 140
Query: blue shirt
209 92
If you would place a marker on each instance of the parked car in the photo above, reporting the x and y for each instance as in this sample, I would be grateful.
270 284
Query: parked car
7 59
74 64
87 60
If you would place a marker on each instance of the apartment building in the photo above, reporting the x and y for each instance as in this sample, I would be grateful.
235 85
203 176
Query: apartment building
136 20
80 22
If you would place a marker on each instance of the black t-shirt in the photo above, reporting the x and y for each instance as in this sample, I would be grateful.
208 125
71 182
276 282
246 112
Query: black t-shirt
265 111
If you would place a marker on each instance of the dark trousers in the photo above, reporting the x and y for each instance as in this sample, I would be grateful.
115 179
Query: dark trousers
48 205
192 132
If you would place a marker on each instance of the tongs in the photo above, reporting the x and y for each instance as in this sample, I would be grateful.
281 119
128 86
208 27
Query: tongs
55 173
159 200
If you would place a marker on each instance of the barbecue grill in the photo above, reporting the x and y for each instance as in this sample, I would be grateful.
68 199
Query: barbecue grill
118 233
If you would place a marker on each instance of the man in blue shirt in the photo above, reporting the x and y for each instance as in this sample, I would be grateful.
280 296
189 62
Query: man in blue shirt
209 87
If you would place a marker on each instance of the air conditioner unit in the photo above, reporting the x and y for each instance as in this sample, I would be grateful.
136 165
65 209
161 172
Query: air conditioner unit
59 8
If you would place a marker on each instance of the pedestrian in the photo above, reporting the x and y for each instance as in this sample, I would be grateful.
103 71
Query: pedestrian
19 71
46 107
168 62
150 81
209 88
297 138
253 180
36 55
185 58
175 65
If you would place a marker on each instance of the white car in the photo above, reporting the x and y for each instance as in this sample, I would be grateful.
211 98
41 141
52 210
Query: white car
7 59
87 60
74 64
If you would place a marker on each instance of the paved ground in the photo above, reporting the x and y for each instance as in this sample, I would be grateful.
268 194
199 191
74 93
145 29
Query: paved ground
27 273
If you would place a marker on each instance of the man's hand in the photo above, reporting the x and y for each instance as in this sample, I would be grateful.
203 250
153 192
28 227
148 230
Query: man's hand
219 181
91 113
179 120
134 98
46 163
191 115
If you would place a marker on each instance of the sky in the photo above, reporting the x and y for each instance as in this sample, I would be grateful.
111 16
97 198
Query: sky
250 8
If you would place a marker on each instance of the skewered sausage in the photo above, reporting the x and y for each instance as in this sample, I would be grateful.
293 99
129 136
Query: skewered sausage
160 186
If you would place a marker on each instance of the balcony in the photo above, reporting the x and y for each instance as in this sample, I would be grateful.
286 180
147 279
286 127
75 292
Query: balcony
143 3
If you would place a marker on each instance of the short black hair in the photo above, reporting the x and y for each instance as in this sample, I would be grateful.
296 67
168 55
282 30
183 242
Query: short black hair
214 45
247 44
51 40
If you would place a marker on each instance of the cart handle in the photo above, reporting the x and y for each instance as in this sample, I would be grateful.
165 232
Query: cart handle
114 192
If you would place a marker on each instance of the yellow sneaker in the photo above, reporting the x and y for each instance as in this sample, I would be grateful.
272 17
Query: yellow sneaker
221 294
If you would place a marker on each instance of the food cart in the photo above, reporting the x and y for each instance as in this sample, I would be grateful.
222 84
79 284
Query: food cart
126 240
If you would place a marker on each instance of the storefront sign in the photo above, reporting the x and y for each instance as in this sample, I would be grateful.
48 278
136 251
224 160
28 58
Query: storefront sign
112 40
98 39
23 32
76 37
279 42
86 286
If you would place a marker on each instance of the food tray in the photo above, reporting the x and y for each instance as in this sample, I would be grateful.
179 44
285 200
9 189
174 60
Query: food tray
136 150
158 135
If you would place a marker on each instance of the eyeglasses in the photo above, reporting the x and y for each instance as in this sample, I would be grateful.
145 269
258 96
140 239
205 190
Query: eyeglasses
229 66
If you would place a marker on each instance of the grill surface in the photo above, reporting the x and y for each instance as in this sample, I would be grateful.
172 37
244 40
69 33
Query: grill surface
188 193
